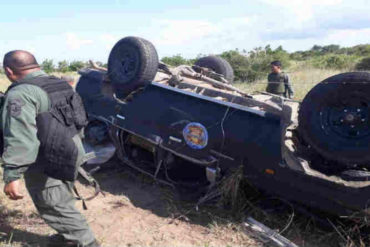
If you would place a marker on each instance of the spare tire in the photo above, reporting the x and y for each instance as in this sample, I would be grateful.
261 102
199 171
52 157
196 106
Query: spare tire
334 118
218 65
132 63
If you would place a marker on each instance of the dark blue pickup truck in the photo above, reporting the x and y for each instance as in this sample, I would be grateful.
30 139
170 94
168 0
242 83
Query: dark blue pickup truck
188 126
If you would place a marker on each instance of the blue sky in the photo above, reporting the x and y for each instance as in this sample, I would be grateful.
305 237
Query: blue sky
81 30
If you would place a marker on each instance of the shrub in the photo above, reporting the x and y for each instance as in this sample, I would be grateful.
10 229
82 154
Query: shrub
335 62
48 66
76 65
175 60
63 66
364 64
255 64
239 63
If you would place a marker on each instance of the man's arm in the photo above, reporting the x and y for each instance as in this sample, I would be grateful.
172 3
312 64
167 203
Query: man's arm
20 133
288 87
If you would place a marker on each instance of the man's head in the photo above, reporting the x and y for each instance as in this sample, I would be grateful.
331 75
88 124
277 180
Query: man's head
276 66
17 64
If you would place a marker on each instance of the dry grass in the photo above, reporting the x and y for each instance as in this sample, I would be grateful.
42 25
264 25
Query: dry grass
303 79
4 83
283 217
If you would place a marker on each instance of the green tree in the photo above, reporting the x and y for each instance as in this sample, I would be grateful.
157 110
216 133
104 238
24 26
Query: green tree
331 49
175 60
335 61
364 64
63 66
76 65
48 66
255 64
240 65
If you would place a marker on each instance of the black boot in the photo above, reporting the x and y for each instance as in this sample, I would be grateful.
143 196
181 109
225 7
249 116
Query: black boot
57 240
93 244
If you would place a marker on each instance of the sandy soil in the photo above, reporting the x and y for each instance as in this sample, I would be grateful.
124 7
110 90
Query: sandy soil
134 212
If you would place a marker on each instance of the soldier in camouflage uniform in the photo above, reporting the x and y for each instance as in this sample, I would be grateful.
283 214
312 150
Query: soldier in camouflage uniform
53 198
278 82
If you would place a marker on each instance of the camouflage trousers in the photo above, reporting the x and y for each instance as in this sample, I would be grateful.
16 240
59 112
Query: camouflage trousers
56 206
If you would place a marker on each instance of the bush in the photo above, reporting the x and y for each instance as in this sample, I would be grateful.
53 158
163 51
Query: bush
76 65
48 66
63 66
364 64
255 64
239 63
176 60
335 62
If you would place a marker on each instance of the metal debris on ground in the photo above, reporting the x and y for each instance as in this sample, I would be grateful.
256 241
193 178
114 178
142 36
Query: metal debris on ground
265 233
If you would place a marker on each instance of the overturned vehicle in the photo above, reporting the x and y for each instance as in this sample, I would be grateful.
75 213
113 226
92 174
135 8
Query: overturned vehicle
189 126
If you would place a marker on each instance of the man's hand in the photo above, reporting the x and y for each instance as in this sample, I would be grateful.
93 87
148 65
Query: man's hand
12 190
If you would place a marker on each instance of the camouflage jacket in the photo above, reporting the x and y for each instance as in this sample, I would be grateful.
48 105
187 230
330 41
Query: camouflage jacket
21 146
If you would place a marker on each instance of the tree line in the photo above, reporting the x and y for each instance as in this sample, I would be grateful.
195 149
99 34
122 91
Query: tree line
253 65
64 66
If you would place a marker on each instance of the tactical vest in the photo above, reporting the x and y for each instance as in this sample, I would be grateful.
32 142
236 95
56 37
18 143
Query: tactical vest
277 86
57 127
2 99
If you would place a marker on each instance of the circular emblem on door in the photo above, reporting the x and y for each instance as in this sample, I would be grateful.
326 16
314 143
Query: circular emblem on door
195 135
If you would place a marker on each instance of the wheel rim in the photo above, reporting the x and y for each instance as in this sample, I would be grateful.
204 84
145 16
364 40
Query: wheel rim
349 118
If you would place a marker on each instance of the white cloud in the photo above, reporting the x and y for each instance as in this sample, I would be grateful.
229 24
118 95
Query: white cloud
31 49
304 10
295 24
347 37
108 40
181 32
177 32
289 3
75 43
191 37
314 21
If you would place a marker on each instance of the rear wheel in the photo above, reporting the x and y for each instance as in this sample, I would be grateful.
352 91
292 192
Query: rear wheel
132 63
334 118
218 65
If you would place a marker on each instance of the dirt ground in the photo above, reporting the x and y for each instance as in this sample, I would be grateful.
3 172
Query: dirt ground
134 212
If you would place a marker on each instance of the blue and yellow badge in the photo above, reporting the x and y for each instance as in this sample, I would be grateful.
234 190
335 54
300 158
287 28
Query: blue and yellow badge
195 135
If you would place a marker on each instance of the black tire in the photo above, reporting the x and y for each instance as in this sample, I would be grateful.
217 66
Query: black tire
334 118
132 63
218 65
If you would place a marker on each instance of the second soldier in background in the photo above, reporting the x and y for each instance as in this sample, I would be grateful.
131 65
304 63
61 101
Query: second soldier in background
278 81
